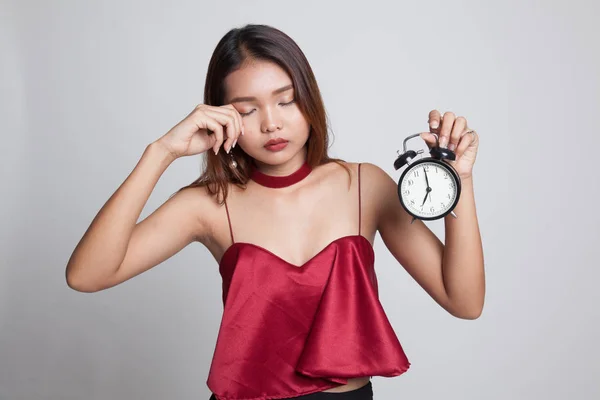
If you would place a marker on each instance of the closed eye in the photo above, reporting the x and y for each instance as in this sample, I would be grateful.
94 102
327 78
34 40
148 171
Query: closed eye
282 104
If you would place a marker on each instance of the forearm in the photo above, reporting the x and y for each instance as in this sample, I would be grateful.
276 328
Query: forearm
463 261
103 246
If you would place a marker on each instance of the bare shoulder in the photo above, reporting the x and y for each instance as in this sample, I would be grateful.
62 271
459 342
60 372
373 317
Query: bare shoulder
199 206
338 171
373 178
373 174
378 189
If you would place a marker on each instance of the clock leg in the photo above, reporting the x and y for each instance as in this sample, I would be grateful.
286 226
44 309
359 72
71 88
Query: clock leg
452 213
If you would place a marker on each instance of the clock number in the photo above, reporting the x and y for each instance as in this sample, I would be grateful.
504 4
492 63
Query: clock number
406 192
426 168
410 182
416 173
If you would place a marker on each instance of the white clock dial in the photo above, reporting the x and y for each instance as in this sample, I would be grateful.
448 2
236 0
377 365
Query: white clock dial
426 203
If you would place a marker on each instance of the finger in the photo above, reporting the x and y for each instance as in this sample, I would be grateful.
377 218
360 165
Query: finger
459 128
236 121
232 126
465 141
239 131
434 119
429 139
215 127
228 121
232 112
238 116
446 129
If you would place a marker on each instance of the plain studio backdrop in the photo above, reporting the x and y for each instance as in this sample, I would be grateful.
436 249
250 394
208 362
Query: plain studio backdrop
86 85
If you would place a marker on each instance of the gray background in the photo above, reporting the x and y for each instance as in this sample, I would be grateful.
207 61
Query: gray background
85 86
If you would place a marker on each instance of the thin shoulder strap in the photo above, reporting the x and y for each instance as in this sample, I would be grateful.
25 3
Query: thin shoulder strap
229 220
359 203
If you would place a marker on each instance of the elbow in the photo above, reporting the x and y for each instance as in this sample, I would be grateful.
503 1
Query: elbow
469 314
80 285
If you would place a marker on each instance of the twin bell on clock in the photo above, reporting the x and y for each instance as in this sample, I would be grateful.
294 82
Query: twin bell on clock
429 188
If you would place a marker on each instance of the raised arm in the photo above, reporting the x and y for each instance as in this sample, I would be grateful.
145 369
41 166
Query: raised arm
453 274
115 247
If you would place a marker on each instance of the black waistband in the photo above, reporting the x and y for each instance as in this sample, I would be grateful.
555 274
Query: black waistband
362 393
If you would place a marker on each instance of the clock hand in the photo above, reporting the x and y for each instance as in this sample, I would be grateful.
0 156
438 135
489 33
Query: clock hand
426 194
428 187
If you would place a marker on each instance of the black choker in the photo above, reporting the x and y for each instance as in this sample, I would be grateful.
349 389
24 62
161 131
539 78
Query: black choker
272 181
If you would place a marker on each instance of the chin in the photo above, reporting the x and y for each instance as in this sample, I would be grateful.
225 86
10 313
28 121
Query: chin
274 157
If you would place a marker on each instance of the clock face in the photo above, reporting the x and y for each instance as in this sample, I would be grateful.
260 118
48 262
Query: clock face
428 190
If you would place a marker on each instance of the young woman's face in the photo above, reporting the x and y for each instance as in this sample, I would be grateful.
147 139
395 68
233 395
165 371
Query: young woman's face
263 94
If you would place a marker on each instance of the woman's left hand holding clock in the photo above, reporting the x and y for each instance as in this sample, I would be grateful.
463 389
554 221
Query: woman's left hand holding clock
454 133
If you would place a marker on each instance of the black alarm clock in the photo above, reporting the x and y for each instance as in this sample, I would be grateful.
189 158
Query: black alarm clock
428 188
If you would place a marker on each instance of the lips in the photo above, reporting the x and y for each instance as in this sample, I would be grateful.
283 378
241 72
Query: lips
276 145
275 141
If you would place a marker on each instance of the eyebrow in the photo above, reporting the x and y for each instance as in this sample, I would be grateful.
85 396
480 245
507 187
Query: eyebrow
250 98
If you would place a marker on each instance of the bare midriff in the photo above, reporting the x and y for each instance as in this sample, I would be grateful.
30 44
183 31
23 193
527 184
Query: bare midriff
353 383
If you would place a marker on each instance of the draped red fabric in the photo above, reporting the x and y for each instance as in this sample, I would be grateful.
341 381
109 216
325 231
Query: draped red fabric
290 330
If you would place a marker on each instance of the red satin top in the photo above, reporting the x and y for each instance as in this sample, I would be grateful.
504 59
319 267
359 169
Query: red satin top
290 330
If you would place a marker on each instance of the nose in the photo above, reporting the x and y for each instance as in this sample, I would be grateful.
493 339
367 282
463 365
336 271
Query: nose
271 121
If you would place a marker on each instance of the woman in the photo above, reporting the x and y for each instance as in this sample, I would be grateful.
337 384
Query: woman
291 229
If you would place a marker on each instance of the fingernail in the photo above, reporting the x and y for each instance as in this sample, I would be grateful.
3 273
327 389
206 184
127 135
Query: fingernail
216 151
227 150
242 130
451 147
234 142
434 124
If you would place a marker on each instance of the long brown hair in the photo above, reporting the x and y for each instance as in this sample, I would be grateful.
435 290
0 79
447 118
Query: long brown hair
237 48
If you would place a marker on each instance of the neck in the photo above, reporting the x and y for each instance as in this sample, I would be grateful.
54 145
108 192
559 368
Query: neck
284 169
281 175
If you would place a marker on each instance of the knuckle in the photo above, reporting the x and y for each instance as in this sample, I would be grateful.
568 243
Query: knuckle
233 114
231 110
449 114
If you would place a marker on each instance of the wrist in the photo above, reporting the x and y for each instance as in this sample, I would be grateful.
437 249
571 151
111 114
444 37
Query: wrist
466 179
160 151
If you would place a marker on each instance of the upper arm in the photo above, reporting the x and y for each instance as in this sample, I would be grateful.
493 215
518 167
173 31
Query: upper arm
171 227
414 245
